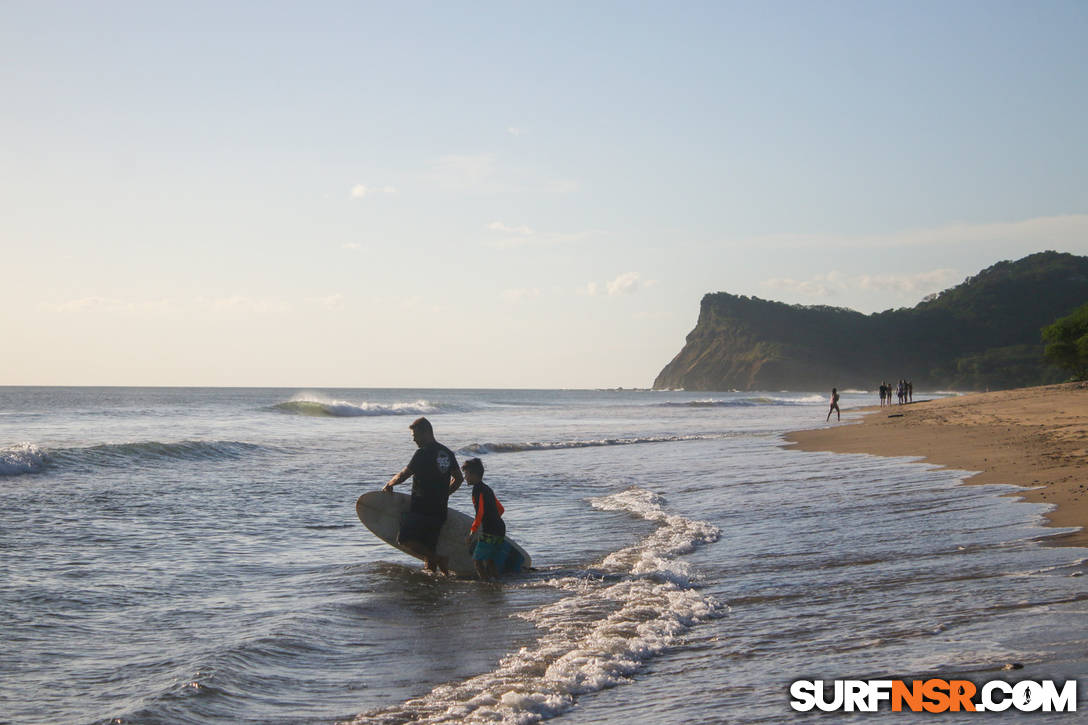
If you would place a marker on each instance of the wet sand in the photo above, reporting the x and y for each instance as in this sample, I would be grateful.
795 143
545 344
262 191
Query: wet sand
1031 437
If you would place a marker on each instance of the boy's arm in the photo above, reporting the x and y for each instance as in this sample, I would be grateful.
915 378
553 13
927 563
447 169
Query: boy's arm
478 502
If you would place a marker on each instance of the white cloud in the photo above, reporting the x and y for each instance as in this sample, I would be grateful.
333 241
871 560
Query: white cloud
811 288
822 285
835 283
516 131
246 304
519 295
84 303
330 302
361 191
498 226
350 245
1032 234
924 282
625 284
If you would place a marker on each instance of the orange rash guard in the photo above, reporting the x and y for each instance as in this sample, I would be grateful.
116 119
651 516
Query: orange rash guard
482 498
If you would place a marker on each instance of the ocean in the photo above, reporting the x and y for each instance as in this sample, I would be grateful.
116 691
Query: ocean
183 555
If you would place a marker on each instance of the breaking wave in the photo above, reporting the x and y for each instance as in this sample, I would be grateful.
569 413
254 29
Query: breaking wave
639 602
479 449
743 402
315 405
30 458
20 459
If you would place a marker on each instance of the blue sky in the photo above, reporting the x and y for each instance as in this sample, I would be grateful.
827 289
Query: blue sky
506 194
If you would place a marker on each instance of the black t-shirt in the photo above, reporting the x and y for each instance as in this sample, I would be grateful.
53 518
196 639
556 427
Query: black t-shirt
431 467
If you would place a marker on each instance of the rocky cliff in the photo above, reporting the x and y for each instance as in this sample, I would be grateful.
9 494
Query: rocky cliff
983 333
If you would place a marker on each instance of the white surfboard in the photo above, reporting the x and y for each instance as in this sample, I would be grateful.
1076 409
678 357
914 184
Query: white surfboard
380 511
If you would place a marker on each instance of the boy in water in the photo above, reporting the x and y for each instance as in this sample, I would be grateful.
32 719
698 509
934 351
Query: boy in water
492 551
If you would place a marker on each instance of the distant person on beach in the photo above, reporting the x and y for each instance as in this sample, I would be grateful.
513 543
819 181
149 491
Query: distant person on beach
883 394
491 555
435 475
834 405
910 391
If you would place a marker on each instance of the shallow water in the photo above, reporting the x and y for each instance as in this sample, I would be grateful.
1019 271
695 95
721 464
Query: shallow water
192 555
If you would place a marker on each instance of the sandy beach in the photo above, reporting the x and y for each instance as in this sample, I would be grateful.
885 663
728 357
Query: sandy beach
1031 437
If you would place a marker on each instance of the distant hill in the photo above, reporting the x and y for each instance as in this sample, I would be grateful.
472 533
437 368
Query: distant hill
983 333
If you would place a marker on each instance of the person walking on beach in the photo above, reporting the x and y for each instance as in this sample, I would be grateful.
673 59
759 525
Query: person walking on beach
435 475
883 394
834 406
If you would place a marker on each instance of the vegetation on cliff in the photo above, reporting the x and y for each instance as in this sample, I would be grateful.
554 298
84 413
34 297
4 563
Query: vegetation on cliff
983 333
1067 342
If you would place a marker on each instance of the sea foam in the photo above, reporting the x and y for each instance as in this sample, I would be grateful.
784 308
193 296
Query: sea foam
639 602
743 402
478 449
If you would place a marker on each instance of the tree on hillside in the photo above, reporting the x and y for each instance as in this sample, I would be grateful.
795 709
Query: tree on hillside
1067 342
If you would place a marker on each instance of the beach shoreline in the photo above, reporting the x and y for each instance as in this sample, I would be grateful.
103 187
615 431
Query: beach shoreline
1034 438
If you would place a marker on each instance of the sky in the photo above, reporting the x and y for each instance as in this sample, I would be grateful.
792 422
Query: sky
508 194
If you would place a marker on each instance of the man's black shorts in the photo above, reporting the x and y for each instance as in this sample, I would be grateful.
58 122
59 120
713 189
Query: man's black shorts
419 527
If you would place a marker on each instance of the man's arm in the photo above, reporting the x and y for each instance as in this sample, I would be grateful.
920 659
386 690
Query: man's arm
457 479
401 477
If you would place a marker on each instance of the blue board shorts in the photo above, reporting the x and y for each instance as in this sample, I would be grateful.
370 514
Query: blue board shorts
490 548
496 549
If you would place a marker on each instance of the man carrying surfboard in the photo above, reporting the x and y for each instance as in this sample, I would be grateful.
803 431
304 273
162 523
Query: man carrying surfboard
435 475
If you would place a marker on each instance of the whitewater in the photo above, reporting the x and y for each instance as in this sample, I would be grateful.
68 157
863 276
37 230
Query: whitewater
193 556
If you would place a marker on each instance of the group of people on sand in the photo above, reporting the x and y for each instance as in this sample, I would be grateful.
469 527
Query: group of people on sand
435 475
904 391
